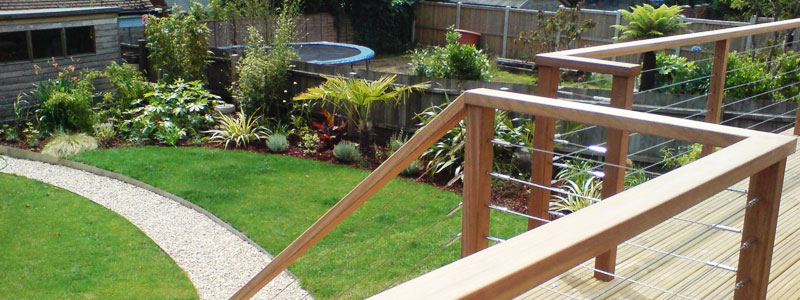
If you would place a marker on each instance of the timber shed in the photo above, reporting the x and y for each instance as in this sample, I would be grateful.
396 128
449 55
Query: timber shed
81 37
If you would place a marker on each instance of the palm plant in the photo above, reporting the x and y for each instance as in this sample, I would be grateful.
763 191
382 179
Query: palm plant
647 22
358 98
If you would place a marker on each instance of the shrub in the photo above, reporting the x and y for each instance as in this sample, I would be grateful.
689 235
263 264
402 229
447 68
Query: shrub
63 145
178 46
674 158
750 77
308 142
382 25
241 130
186 105
129 86
104 132
589 188
395 142
277 143
555 33
66 102
346 152
458 61
788 74
263 73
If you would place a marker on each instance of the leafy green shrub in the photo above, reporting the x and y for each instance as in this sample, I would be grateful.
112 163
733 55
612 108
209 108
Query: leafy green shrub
309 141
32 135
589 188
263 73
63 145
241 130
748 77
788 74
382 25
554 33
66 102
674 158
129 86
346 152
277 143
9 133
104 132
185 105
178 46
454 60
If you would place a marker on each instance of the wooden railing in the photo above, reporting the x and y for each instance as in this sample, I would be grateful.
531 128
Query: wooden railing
591 60
522 262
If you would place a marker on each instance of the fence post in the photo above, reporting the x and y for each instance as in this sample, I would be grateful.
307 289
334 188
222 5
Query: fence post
505 30
458 15
716 89
542 161
234 64
144 62
760 221
616 155
797 120
477 183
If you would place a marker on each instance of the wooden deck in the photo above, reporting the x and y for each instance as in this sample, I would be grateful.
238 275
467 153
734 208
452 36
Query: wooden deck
660 276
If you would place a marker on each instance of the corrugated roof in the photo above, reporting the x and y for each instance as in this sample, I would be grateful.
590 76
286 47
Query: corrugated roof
42 4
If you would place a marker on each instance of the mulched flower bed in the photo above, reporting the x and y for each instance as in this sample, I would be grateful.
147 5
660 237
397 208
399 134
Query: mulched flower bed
508 194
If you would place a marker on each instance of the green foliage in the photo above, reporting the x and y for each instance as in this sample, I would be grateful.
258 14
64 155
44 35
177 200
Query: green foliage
579 194
675 158
65 102
634 178
178 45
241 130
263 73
63 145
230 9
788 74
129 86
748 77
382 25
554 33
32 135
104 132
309 141
576 170
647 22
358 98
673 68
170 113
454 60
277 143
9 133
347 152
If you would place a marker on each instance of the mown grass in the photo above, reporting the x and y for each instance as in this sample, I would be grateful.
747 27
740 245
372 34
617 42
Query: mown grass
273 199
57 245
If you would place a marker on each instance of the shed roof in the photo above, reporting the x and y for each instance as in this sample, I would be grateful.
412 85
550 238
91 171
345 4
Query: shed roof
125 5
54 12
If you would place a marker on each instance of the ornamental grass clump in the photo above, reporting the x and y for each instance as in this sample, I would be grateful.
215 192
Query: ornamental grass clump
277 143
346 152
241 130
63 145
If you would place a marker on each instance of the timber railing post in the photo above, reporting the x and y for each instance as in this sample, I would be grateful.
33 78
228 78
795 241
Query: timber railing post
542 161
716 89
616 157
477 183
758 232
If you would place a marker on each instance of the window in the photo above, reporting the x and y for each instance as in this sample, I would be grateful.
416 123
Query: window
46 43
80 40
13 46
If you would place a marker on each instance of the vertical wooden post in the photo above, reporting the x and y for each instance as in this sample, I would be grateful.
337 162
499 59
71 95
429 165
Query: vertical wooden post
477 183
797 120
616 154
541 162
760 222
717 87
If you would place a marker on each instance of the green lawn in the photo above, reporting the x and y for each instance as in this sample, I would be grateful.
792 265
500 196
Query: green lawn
275 198
57 245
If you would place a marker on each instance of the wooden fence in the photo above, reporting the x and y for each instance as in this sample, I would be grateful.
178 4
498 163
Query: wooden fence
500 28
310 27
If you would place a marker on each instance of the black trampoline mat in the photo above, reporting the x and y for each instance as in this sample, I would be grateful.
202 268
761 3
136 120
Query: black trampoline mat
324 52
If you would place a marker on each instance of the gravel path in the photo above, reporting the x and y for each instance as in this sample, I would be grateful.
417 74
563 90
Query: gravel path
217 261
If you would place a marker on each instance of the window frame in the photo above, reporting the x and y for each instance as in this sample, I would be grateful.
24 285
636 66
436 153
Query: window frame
64 49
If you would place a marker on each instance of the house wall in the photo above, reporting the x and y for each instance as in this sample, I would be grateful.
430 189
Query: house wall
19 76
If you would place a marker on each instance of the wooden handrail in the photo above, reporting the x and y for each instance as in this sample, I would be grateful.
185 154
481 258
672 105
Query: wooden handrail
412 149
522 262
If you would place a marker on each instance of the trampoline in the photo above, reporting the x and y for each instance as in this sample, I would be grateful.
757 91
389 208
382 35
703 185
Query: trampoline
325 53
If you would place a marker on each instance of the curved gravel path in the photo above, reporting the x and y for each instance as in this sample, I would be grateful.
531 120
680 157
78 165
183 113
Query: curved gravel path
217 261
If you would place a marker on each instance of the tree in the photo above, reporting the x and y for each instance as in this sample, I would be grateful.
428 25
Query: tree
554 33
178 46
358 98
647 22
